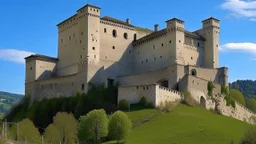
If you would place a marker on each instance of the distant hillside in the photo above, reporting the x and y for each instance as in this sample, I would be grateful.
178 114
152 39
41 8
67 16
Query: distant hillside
247 87
7 100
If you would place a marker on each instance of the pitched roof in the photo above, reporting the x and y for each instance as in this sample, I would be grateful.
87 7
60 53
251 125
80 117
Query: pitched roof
111 19
42 57
164 31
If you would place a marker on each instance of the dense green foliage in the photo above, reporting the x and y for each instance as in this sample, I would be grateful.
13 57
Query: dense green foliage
93 126
247 87
119 126
251 104
66 124
28 132
230 101
124 105
224 90
249 136
185 125
210 87
143 101
42 112
238 96
52 135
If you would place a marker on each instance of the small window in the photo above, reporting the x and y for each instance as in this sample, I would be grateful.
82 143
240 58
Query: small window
142 62
97 10
114 33
134 37
82 33
42 86
61 40
82 86
179 41
147 88
105 30
161 56
217 45
137 87
81 56
93 48
92 39
69 37
198 44
125 35
30 68
154 58
162 44
80 41
154 46
191 58
130 51
74 35
170 41
113 47
146 60
93 9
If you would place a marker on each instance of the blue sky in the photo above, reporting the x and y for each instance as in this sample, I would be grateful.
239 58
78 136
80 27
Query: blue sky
29 26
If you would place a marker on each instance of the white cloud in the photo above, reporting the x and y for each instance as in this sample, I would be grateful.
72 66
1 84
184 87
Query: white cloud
14 55
241 8
240 47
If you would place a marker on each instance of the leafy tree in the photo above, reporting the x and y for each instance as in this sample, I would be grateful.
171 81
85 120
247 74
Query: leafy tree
124 105
119 126
52 135
249 136
252 104
93 126
67 126
238 96
28 132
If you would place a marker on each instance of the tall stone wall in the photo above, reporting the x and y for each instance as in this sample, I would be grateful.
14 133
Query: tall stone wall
165 94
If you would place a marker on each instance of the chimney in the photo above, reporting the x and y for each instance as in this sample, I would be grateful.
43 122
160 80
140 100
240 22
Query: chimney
156 27
128 21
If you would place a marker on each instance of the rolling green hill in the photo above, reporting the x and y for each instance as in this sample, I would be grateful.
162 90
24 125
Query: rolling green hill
247 87
184 125
7 100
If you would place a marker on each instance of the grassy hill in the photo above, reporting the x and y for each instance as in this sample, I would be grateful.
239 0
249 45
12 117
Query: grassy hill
7 100
184 125
247 87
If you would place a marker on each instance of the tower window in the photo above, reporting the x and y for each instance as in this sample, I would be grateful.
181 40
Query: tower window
191 58
74 35
61 40
154 58
93 48
82 86
161 56
134 37
105 30
82 33
69 37
114 33
170 41
154 46
162 44
179 41
81 56
125 35
198 44
30 68
113 47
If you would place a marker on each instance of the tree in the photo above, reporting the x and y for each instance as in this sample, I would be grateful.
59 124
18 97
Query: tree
52 135
67 126
252 104
119 126
238 96
28 132
249 136
93 126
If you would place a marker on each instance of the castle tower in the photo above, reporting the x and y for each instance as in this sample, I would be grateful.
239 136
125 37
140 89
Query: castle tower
210 31
175 40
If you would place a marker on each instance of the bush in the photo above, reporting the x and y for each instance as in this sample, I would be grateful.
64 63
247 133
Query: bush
119 126
210 87
224 90
143 101
238 96
149 104
252 104
124 105
189 100
166 106
249 136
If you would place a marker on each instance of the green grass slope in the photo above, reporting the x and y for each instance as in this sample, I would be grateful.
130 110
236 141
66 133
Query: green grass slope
185 125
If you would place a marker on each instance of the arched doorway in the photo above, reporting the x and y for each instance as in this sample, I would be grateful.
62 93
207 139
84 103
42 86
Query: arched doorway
202 102
193 72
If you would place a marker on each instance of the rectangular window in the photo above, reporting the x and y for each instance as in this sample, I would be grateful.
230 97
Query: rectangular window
82 87
110 82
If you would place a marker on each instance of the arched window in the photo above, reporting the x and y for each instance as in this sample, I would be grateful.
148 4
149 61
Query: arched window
193 72
114 33
125 35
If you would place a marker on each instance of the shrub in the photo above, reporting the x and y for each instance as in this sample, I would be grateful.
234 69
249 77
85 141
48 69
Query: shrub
189 100
224 90
124 105
210 87
166 106
249 136
238 96
252 104
119 126
149 104
143 101
93 126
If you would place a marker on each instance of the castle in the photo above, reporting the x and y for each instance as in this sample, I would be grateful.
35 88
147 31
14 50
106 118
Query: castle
156 64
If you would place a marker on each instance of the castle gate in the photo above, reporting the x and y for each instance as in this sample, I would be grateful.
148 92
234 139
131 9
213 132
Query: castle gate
202 102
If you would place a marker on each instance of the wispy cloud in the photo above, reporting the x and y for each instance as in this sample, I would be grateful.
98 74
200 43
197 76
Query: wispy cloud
240 47
241 8
14 55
